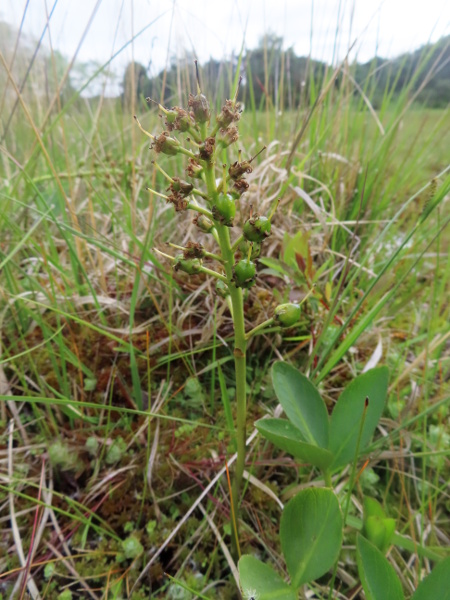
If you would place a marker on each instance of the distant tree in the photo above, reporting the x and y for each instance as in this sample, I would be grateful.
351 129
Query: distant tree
135 84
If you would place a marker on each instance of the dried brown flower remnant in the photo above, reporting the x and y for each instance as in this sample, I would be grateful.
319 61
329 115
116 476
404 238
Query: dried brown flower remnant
180 203
229 135
193 169
181 122
181 187
206 149
194 250
166 144
238 169
240 186
230 112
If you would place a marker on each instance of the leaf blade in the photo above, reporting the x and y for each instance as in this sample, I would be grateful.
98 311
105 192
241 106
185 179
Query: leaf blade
311 534
286 436
260 580
377 575
302 403
436 584
346 418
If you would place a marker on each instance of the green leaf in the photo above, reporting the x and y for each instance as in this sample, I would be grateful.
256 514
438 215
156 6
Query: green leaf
287 437
311 534
379 531
302 404
436 584
372 508
377 575
345 421
260 581
377 528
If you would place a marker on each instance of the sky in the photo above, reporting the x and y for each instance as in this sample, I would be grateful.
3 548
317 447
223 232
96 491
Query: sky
96 29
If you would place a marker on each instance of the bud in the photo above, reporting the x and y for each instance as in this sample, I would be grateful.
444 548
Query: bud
193 169
257 229
224 210
287 315
203 223
244 273
190 266
166 144
222 289
193 250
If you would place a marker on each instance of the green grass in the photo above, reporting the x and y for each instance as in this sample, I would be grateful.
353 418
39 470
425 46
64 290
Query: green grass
101 341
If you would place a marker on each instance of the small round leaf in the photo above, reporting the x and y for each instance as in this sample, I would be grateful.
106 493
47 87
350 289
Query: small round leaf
311 534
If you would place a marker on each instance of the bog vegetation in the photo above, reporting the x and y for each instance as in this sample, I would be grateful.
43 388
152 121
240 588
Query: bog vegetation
249 403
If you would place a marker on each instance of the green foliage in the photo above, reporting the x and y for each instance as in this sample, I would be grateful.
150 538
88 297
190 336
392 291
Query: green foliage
132 547
377 575
380 581
377 528
311 534
328 443
350 411
311 538
115 451
260 581
436 584
286 436
302 404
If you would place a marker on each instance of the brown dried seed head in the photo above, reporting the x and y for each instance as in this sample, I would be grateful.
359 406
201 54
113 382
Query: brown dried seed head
207 148
194 250
229 135
179 186
194 169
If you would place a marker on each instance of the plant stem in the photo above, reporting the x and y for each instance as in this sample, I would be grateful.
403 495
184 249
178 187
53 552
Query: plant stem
259 328
327 479
240 342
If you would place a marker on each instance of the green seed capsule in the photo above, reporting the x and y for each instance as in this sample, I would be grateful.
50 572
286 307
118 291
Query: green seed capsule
254 247
191 266
203 223
257 229
200 108
224 210
287 315
244 273
222 289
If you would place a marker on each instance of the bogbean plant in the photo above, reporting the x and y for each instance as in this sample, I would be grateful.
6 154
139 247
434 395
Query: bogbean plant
213 200
312 523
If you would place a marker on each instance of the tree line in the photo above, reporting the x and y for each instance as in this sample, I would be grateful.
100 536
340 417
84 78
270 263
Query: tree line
280 79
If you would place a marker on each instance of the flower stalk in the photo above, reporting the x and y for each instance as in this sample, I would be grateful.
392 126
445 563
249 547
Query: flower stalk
215 204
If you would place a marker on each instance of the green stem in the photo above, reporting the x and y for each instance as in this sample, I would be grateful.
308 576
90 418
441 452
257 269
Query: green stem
198 208
213 274
258 328
240 342
327 479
